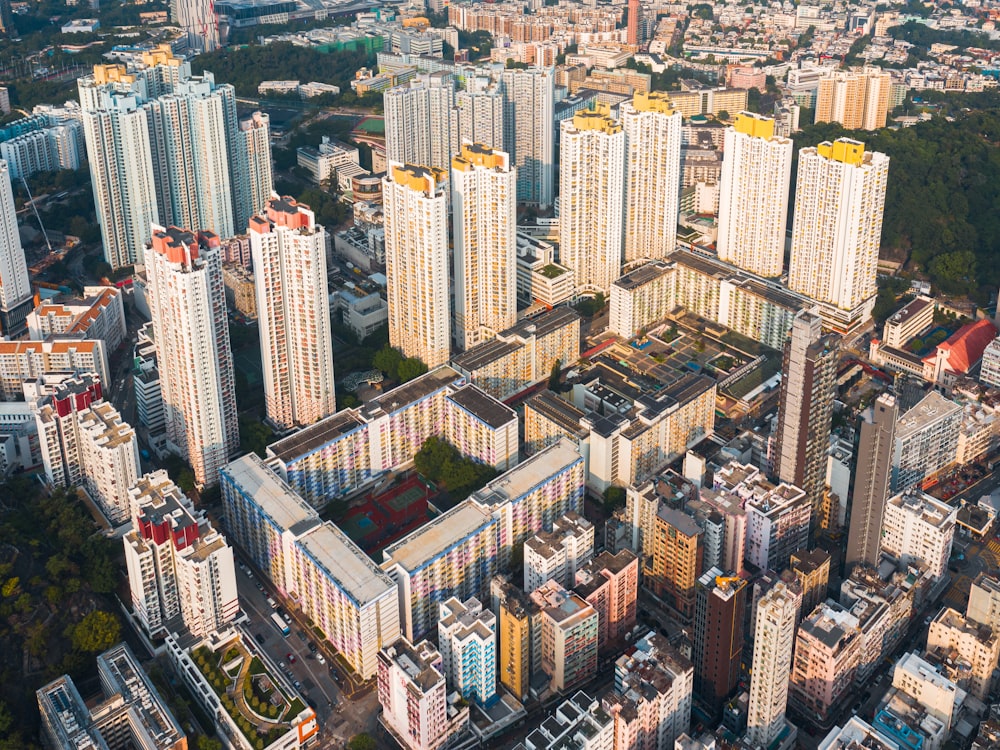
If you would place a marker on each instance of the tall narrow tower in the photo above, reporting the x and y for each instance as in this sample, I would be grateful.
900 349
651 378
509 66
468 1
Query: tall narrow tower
774 639
415 203
720 608
591 180
293 305
15 289
633 23
753 195
652 175
484 197
871 480
837 229
805 409
529 105
188 305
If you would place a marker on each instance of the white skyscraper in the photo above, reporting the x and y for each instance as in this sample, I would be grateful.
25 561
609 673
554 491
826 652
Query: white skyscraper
837 229
753 195
591 185
293 307
252 179
15 289
480 108
415 203
116 130
484 195
652 175
188 305
191 156
421 123
179 567
166 147
773 643
529 111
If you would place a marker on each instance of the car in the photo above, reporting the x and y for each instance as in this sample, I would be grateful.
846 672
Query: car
298 685
320 659
260 638
313 648
249 574
291 658
260 586
281 665
286 617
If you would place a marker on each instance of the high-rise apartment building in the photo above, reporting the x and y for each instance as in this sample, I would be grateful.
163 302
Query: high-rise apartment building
15 289
484 201
414 697
415 202
837 229
293 309
871 480
180 570
677 559
467 639
917 527
925 441
774 637
165 146
188 304
720 607
519 633
858 100
953 637
652 175
827 652
805 409
569 636
116 130
480 108
591 182
610 584
984 601
558 554
812 570
753 195
339 588
421 123
85 443
529 111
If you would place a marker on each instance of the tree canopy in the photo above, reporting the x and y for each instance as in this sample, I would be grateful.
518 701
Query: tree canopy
440 462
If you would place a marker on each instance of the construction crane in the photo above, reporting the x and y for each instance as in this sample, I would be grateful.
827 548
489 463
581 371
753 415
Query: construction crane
725 581
34 208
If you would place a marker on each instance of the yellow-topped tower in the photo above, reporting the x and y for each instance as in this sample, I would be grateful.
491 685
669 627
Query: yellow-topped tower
112 73
598 118
419 178
477 155
652 101
753 195
843 150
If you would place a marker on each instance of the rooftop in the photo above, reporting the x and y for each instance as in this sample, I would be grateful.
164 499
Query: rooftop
930 409
437 536
315 436
566 416
277 500
483 406
529 474
643 275
354 572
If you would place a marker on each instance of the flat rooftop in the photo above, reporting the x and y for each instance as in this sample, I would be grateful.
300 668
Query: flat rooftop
529 474
409 393
484 354
270 493
930 409
315 436
559 411
544 324
483 406
354 572
435 537
643 275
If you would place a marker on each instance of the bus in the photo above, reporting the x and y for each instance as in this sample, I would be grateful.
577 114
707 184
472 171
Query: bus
280 624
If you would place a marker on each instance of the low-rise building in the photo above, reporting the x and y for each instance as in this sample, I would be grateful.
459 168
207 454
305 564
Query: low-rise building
241 295
99 315
578 723
540 280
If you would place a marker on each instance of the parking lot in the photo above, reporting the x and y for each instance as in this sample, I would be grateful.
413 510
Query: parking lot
299 657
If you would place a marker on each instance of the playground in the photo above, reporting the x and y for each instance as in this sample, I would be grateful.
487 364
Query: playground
387 516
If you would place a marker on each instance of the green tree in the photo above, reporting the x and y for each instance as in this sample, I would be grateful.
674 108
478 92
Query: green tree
554 375
614 498
361 742
207 743
254 435
410 368
387 359
97 631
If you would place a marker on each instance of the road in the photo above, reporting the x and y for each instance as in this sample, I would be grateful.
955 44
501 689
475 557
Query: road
340 717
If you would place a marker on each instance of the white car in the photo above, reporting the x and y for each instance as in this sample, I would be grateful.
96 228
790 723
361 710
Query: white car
320 659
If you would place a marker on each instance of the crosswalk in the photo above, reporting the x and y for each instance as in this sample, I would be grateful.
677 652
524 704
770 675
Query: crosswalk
994 547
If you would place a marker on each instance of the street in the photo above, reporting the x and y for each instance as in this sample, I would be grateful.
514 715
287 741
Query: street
340 718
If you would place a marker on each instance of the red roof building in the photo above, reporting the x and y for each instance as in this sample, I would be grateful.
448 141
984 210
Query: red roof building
954 358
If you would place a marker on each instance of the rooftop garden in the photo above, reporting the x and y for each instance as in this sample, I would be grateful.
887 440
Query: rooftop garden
552 271
249 694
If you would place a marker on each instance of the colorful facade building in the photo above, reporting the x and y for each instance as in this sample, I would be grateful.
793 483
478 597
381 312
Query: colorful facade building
569 636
